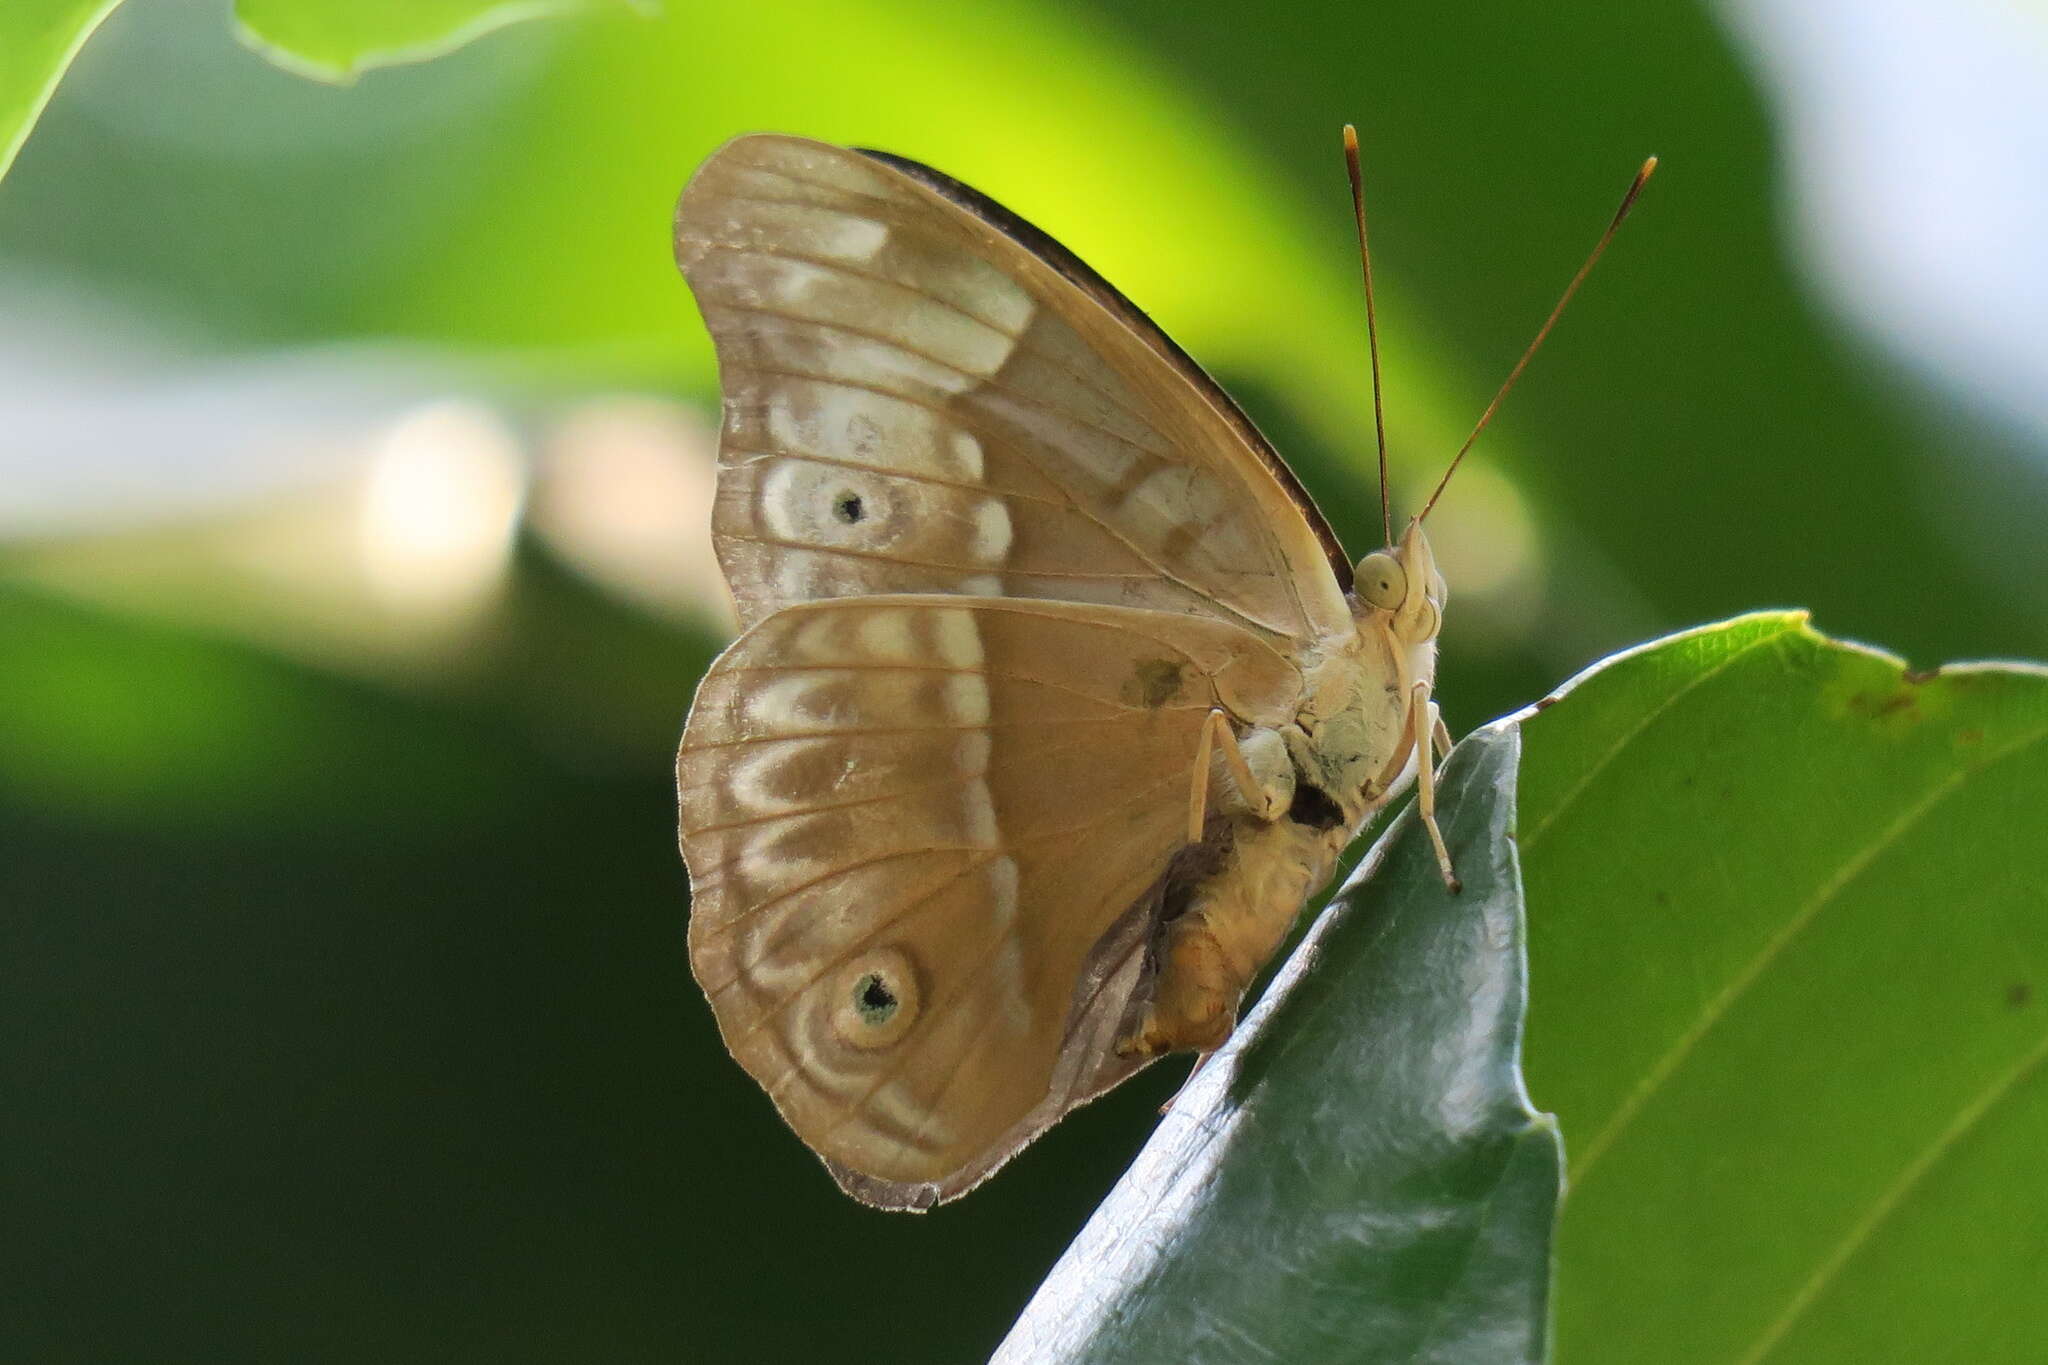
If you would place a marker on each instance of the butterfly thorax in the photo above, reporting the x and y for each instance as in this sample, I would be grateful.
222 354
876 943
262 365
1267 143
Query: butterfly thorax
1357 729
1361 725
1350 741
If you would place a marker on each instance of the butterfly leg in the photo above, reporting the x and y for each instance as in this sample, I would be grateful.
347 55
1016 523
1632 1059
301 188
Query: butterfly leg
1423 723
1439 732
1198 789
1258 764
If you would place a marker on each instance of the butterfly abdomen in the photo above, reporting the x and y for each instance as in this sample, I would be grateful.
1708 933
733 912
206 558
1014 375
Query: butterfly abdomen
1234 919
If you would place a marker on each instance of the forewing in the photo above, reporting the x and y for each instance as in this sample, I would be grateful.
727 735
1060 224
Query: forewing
923 394
911 822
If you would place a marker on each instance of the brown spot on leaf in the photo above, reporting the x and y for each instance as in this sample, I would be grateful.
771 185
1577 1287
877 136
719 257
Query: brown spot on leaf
1970 736
1878 705
1916 676
1545 703
2018 994
1153 683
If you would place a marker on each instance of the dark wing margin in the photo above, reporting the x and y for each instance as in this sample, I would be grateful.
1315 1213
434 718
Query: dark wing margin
1084 277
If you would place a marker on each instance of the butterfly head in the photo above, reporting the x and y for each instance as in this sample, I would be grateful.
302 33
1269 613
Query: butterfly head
1400 588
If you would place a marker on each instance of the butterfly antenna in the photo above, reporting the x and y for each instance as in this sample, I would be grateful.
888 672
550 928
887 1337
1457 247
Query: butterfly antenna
1372 325
1627 202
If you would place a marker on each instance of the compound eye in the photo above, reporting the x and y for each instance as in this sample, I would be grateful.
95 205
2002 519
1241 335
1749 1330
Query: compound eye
1381 580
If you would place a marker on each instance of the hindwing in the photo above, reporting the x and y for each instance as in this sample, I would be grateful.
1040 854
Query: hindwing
909 822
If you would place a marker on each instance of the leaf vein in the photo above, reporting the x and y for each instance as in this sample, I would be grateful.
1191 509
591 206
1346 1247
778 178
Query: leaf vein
1909 1178
1599 765
1737 986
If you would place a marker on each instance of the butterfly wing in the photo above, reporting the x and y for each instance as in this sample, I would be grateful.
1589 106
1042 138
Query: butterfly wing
911 824
924 394
999 547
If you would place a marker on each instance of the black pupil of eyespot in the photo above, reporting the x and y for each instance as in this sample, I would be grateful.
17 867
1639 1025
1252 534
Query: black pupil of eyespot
874 997
847 507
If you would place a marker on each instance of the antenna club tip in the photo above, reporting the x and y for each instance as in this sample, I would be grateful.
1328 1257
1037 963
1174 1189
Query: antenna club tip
1649 168
1350 138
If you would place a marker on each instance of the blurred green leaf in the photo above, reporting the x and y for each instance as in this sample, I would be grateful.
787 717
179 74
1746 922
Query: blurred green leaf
1358 1174
1789 947
139 725
38 39
338 40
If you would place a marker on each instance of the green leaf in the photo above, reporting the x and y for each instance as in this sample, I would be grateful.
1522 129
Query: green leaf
1358 1174
38 39
1789 949
338 40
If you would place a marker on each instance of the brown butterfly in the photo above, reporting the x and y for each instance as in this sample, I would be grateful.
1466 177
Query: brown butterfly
1056 697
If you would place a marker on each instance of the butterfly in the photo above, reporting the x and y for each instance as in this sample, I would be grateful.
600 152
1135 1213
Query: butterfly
1055 696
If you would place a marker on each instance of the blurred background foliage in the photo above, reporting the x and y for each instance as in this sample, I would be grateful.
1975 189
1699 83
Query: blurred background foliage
353 466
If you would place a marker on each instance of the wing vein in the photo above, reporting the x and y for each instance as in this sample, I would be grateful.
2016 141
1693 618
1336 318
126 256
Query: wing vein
725 925
975 377
742 457
981 967
922 902
975 570
932 668
841 267
887 730
947 414
1080 378
921 789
